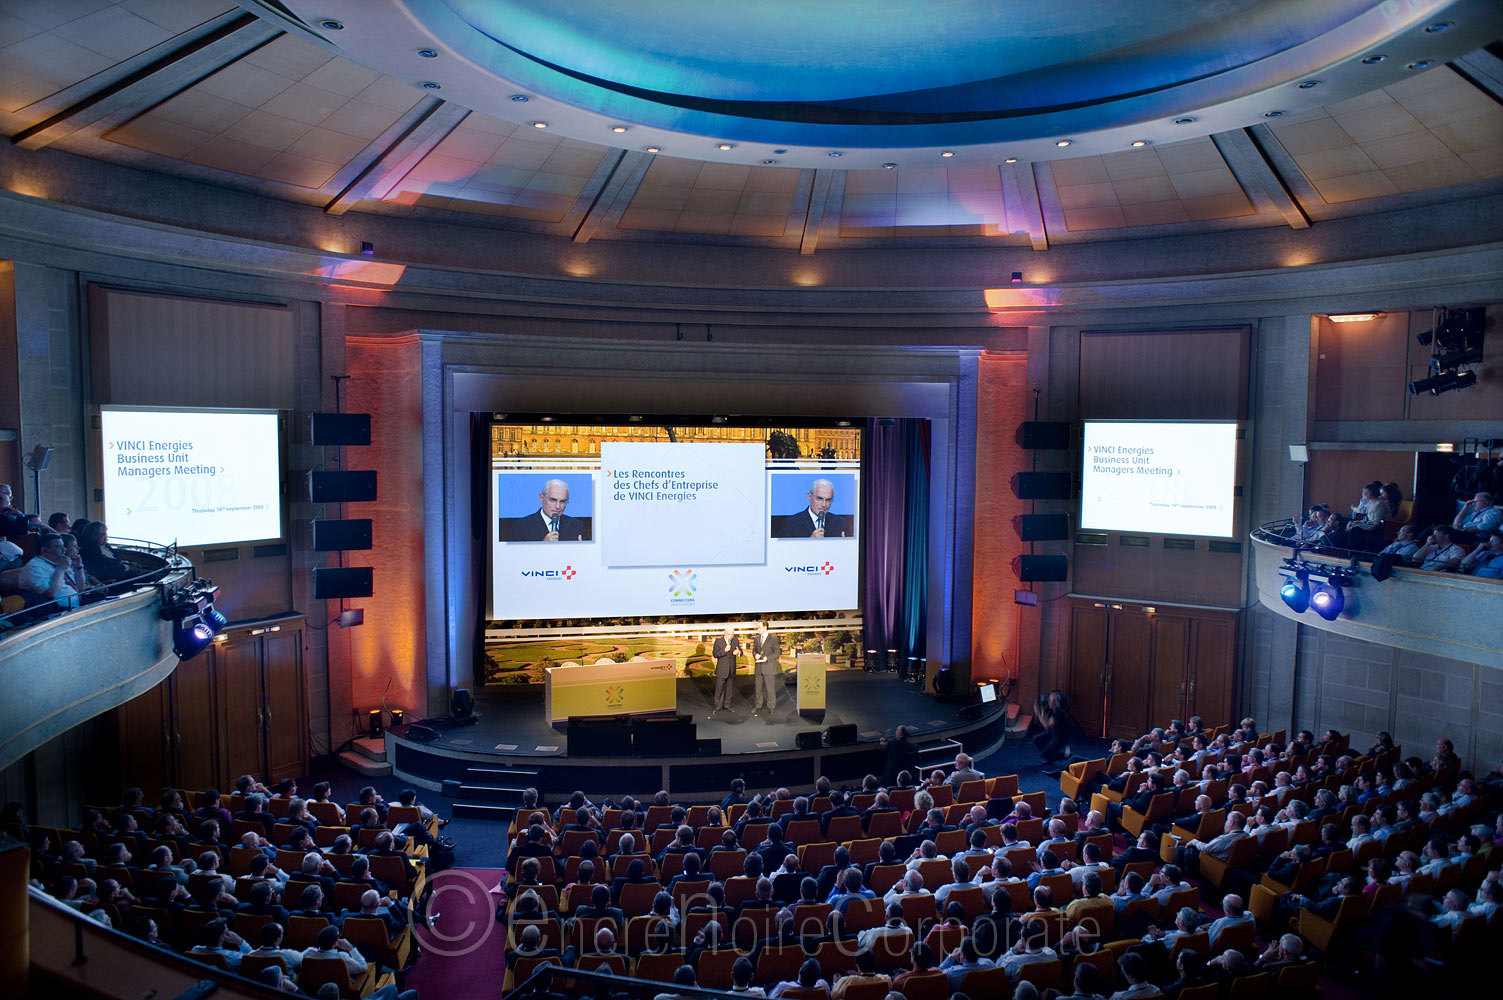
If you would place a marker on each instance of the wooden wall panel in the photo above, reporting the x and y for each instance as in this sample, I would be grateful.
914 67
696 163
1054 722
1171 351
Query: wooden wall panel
1336 478
1001 405
1166 375
285 705
163 350
1171 663
1360 368
1213 664
1088 634
237 674
193 715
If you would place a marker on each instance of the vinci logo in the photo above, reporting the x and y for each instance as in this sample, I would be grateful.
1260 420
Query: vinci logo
823 569
615 696
567 573
681 583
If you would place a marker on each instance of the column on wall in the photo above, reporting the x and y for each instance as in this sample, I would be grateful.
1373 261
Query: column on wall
1001 405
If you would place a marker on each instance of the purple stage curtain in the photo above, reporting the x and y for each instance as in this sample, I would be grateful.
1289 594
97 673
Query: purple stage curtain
885 609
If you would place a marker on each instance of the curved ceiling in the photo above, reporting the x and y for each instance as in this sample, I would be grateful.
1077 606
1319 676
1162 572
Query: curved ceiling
872 79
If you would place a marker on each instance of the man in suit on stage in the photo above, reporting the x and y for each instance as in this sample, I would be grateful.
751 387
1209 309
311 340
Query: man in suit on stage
816 521
727 647
549 523
766 648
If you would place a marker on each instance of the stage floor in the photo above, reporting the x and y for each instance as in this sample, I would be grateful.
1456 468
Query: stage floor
512 720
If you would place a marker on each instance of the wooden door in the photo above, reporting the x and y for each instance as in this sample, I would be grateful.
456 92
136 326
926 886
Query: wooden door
1129 667
145 741
1089 627
1214 662
286 722
237 674
1171 661
193 722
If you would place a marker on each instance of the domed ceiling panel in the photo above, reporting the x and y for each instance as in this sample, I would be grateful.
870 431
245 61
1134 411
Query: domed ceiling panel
689 196
1182 182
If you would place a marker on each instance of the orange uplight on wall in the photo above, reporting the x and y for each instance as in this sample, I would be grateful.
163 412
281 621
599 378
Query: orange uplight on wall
364 272
1021 298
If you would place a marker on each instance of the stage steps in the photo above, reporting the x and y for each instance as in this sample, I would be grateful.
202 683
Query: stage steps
939 755
493 793
368 758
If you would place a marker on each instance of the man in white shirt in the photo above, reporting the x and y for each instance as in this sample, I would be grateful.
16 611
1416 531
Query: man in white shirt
1479 515
271 947
912 884
47 574
961 872
1440 552
331 945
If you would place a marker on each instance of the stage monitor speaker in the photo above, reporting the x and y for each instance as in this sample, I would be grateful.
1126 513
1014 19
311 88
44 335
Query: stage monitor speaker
708 748
450 789
811 740
665 736
333 535
842 736
333 582
342 487
1036 527
1042 485
422 734
1041 435
597 736
339 429
1051 568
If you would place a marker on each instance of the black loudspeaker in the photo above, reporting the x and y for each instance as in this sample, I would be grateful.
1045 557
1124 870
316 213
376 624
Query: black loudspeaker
333 582
1042 568
1042 485
708 748
665 736
421 734
339 429
450 789
597 736
842 736
1036 527
1039 435
342 487
331 535
811 740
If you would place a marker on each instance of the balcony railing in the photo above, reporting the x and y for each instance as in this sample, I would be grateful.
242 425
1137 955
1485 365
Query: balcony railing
1447 614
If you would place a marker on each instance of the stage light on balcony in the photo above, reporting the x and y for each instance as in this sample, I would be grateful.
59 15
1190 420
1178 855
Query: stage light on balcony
1327 602
190 636
214 618
1296 593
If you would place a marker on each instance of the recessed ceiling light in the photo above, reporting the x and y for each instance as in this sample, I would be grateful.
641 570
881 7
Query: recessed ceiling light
653 149
889 166
1273 114
1309 84
779 152
947 154
428 53
1063 143
1438 27
332 25
1420 64
834 154
619 128
1184 121
430 85
539 124
1011 159
1373 60
726 145
768 163
520 98
1137 143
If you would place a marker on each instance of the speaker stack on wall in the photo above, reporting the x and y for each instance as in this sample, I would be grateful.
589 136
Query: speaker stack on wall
1039 435
332 583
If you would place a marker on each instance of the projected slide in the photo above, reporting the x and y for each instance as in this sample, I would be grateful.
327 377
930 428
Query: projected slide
199 477
1163 478
663 527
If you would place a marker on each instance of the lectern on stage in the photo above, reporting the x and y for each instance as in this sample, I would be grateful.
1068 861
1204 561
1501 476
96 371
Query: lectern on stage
637 688
811 683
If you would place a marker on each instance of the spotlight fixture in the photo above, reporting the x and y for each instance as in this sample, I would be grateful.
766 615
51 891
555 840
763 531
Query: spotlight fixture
1327 602
1455 340
1437 27
1017 277
1444 382
215 618
1309 84
194 620
1373 60
725 146
397 715
1420 64
889 166
520 98
1351 317
190 636
947 154
430 85
834 154
367 248
779 152
652 149
1138 143
1187 120
428 53
618 129
331 24
1273 114
1011 159
1062 143
375 724
768 163
539 124
1296 592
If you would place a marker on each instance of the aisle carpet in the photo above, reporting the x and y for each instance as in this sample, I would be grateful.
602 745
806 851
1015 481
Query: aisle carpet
464 953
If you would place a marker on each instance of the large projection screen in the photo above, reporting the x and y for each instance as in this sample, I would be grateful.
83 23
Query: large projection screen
196 477
1169 478
640 523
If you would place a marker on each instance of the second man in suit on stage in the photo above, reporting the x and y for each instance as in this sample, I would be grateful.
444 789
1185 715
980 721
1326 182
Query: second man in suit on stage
766 649
725 651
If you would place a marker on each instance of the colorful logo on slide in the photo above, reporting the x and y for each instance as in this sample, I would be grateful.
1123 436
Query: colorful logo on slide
681 583
567 573
823 569
615 696
826 568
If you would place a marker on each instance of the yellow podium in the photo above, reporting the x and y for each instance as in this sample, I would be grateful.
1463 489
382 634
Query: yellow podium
811 683
636 688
